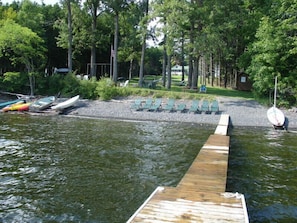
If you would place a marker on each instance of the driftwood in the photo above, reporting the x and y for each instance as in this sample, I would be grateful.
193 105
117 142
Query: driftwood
19 96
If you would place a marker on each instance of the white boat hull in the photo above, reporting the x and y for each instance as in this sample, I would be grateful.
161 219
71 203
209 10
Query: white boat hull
276 117
66 104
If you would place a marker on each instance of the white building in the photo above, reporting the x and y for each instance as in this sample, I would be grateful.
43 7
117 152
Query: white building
177 70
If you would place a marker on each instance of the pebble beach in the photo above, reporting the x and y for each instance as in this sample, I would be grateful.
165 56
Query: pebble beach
242 112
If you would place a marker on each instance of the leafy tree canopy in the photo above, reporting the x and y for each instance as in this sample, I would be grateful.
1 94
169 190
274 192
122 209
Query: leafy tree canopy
20 45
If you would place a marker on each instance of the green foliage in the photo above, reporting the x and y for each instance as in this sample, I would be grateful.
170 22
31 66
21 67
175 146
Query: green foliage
153 59
87 89
106 89
30 16
71 85
274 53
48 85
20 45
16 82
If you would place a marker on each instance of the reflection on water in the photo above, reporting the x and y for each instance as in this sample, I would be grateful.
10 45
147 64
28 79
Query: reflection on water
263 167
58 169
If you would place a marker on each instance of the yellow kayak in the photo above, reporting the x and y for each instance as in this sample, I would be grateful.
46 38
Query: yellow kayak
17 107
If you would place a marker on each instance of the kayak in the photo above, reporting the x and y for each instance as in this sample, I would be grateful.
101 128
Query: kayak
7 103
66 104
17 107
42 103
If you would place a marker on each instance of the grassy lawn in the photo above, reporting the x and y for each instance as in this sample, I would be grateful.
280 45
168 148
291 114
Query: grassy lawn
179 91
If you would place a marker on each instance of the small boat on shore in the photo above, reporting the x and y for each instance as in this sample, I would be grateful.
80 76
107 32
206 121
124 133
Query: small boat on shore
275 116
17 107
42 103
7 103
66 104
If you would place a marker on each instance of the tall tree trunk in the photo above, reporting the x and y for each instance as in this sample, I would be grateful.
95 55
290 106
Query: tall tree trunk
29 67
141 68
115 42
190 77
211 69
168 85
195 74
130 69
183 57
164 66
70 37
93 47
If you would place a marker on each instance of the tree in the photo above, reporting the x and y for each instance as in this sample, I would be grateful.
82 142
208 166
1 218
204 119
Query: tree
70 34
30 15
172 15
144 24
116 7
52 13
274 52
94 8
21 46
130 47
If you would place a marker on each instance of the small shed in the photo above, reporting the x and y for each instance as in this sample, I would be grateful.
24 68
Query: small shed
243 82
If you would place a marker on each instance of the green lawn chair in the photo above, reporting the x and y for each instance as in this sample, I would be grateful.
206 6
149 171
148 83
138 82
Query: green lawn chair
205 106
195 106
148 104
137 104
181 107
170 105
156 105
214 107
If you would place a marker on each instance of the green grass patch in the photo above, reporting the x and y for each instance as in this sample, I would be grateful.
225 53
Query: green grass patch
179 91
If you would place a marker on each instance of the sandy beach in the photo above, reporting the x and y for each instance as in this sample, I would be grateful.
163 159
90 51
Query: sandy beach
242 112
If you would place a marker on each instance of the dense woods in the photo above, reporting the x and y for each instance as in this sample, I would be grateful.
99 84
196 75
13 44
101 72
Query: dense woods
216 40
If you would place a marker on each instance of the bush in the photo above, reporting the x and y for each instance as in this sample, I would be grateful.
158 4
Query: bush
16 82
106 89
71 85
87 89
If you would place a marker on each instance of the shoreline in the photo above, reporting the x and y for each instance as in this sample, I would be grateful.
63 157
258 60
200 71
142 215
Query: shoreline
243 112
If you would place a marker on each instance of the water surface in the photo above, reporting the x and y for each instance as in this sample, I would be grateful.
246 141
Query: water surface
61 169
263 166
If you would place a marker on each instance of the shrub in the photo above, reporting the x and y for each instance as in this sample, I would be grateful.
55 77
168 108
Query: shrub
87 89
16 82
106 89
55 84
71 85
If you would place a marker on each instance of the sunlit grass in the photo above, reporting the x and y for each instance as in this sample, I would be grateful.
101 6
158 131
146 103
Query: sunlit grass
179 91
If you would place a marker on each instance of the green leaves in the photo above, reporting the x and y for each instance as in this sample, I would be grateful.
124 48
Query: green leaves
20 44
274 51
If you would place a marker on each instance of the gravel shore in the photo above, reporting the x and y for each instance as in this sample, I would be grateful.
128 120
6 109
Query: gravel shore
242 112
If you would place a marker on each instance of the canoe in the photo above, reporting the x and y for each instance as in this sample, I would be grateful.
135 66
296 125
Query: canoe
42 103
17 107
276 117
66 104
7 103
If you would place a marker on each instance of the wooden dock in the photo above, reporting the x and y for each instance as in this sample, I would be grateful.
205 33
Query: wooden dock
200 196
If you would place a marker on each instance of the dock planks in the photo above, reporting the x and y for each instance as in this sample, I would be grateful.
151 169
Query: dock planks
200 195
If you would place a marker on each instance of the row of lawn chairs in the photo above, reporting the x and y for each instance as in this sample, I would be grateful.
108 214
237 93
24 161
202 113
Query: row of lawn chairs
171 106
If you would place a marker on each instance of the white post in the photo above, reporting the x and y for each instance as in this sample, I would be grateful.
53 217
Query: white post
275 84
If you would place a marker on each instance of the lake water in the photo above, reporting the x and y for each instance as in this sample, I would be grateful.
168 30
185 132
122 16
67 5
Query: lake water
61 169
